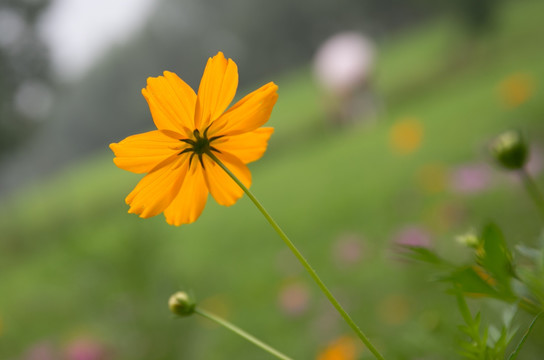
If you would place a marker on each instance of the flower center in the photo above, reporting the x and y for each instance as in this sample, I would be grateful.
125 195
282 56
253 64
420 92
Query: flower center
199 145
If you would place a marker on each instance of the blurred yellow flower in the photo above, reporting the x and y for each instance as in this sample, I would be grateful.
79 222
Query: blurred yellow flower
180 173
343 348
516 89
405 135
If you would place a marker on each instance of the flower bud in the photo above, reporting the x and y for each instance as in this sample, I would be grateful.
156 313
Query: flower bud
181 304
510 150
469 239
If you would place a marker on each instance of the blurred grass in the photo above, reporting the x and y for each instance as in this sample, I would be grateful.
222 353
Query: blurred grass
72 262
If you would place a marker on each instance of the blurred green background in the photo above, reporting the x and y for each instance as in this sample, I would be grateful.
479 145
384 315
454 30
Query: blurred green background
81 277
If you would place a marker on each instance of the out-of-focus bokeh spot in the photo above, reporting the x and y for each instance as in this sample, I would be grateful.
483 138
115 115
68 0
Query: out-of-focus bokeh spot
349 250
12 27
34 99
343 68
406 135
343 348
412 235
293 298
86 348
534 165
471 178
43 350
344 62
516 89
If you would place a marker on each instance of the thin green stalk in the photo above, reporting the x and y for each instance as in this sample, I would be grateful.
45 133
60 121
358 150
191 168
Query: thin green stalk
532 190
303 261
516 351
242 333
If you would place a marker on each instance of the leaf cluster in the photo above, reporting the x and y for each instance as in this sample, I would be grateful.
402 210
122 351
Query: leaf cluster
491 273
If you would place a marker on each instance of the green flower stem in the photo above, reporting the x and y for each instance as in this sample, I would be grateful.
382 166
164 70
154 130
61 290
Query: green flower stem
303 261
242 333
532 189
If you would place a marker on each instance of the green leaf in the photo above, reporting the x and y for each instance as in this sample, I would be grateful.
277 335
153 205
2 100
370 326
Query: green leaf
496 258
422 254
471 283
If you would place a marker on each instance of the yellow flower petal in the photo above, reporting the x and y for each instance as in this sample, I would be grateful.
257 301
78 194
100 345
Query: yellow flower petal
249 113
172 103
191 198
158 189
223 189
216 91
247 147
142 152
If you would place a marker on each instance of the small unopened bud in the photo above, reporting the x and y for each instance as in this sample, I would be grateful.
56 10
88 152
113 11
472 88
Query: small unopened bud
181 304
469 239
510 150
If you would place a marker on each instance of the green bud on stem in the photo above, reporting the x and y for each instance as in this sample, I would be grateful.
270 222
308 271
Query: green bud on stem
181 304
510 150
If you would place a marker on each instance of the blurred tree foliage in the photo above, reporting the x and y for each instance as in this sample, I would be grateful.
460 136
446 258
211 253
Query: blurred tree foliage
478 15
24 70
475 16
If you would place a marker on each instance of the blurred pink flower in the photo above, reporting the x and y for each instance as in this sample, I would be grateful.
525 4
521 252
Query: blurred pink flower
41 351
534 165
348 249
293 299
471 178
85 348
412 236
344 62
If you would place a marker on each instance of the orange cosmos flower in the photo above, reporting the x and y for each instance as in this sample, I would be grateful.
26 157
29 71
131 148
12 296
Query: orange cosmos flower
180 174
343 348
